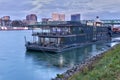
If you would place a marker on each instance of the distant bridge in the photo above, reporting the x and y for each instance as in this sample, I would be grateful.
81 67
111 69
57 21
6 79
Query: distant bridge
106 22
113 22
110 22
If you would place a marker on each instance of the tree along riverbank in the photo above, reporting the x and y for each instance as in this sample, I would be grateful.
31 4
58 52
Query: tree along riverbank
104 66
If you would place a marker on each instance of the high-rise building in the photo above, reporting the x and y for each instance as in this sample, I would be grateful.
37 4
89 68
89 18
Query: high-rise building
5 21
7 18
62 17
45 19
0 21
31 19
75 17
55 16
58 17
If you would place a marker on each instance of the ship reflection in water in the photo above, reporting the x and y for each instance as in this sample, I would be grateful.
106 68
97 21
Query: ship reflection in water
59 63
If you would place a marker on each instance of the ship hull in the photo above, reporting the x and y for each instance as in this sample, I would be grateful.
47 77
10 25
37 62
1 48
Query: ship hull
33 47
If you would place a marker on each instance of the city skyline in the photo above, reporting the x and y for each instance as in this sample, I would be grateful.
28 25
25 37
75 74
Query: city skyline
88 9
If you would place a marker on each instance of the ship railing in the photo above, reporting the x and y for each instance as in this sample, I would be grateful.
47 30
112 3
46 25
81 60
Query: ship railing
51 33
31 43
44 45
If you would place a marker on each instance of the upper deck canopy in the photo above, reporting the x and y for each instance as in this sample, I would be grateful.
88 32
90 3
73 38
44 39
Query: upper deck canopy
57 24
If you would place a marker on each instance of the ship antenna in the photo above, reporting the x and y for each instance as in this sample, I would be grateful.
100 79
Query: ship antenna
32 30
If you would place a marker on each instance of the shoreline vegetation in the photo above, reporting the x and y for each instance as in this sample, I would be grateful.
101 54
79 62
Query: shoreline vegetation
104 66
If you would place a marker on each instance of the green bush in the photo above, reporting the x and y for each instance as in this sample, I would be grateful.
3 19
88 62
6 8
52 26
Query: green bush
60 76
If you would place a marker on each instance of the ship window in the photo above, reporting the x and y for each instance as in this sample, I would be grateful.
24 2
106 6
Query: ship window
62 40
71 39
73 29
69 30
80 30
74 38
94 29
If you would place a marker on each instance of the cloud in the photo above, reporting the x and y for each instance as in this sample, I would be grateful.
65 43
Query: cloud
104 5
88 8
38 4
75 6
44 8
14 8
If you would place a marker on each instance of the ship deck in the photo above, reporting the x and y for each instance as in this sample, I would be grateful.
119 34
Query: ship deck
36 47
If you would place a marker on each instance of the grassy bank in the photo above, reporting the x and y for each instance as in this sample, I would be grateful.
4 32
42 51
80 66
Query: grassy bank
107 68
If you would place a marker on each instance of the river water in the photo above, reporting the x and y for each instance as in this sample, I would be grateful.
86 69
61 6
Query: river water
17 64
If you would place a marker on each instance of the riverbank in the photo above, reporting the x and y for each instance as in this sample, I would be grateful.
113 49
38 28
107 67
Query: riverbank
104 66
4 28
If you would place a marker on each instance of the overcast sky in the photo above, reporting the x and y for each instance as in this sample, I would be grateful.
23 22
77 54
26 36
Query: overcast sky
89 9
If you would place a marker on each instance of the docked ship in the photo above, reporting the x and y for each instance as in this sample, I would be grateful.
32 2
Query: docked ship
68 35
